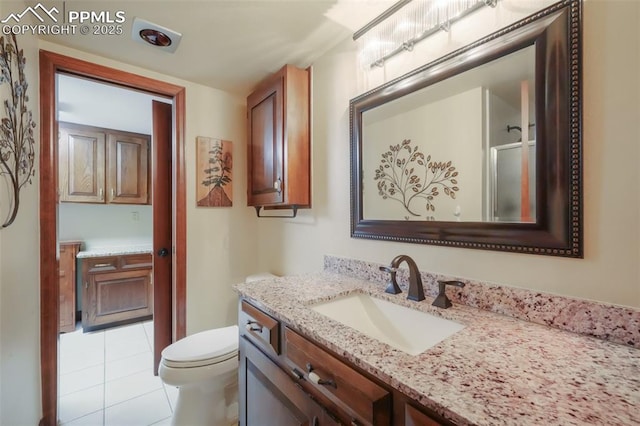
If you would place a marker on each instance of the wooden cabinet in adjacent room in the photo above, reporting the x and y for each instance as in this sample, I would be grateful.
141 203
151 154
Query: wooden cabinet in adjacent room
116 290
98 165
278 111
67 285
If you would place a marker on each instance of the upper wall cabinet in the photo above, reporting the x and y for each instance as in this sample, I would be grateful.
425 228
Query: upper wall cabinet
102 165
279 143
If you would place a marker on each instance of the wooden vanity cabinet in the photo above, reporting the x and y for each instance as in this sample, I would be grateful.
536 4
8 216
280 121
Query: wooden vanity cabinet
67 285
116 290
98 165
278 116
269 397
277 388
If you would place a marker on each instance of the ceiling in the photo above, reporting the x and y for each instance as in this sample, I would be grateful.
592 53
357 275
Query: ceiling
226 44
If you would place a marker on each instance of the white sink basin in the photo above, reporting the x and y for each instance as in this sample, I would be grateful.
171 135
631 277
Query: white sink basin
403 328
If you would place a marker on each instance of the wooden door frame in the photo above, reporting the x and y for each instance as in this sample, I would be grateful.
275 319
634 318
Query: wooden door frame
50 64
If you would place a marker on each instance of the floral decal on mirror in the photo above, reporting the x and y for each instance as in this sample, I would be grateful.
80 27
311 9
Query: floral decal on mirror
405 175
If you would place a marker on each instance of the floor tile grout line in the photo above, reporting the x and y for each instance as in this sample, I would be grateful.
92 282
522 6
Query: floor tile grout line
135 397
82 389
149 338
166 394
160 421
84 415
80 370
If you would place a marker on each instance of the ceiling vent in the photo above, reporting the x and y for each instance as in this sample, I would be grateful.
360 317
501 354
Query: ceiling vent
156 35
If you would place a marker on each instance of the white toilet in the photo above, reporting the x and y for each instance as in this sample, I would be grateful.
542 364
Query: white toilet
204 366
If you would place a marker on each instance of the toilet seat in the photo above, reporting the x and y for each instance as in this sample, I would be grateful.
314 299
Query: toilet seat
201 349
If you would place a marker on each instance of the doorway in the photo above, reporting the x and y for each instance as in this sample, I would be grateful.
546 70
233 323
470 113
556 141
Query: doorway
170 298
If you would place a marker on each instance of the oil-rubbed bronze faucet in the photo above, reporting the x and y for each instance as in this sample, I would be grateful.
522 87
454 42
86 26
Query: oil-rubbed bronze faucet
442 301
416 291
392 286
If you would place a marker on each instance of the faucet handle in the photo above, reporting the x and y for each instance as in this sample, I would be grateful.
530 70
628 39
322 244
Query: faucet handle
442 301
392 286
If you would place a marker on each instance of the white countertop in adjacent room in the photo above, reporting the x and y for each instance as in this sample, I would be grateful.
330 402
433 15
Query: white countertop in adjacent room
115 250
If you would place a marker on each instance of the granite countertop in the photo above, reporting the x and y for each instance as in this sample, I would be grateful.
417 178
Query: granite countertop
498 370
116 250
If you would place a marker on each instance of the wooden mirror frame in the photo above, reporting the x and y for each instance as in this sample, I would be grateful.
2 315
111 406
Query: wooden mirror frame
556 34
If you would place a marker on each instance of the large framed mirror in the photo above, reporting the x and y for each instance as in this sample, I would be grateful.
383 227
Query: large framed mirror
480 148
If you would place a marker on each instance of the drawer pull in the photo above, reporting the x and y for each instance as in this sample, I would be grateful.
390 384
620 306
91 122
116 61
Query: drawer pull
317 379
101 265
297 374
254 326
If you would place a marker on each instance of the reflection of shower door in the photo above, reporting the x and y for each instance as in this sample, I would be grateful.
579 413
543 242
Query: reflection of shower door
506 165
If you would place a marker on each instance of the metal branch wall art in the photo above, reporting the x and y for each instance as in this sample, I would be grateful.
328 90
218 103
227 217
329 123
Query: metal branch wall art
405 175
17 145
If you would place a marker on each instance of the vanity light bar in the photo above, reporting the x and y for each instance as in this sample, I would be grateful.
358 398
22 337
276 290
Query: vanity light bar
406 23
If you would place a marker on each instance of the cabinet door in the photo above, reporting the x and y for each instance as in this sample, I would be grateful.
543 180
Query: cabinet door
268 397
127 169
81 155
265 156
118 297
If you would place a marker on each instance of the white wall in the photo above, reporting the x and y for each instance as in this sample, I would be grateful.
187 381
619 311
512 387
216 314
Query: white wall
105 225
609 272
20 286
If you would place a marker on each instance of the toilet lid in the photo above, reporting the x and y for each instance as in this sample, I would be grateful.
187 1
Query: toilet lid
204 348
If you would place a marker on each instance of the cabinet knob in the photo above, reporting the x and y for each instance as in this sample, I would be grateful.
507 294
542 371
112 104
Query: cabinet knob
163 252
315 378
277 185
253 326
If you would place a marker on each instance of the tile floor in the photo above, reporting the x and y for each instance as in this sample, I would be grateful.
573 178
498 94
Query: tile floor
106 379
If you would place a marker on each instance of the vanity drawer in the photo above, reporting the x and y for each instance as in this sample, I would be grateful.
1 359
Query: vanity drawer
363 400
130 261
260 328
100 264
